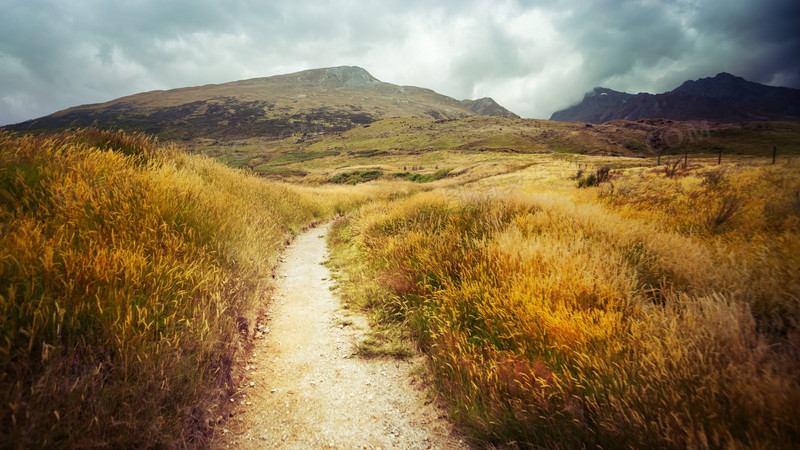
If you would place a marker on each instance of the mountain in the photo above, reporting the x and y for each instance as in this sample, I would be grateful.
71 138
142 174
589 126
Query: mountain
487 107
311 102
597 107
723 98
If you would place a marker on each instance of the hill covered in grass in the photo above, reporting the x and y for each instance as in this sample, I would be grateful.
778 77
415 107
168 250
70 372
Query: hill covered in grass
310 102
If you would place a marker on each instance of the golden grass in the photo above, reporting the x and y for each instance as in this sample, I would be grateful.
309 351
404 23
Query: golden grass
610 317
649 311
128 274
360 290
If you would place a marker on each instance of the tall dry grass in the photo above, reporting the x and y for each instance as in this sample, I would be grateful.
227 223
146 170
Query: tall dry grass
560 324
128 271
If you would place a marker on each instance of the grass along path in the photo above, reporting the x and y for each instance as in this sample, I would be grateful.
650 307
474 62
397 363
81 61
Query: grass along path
306 388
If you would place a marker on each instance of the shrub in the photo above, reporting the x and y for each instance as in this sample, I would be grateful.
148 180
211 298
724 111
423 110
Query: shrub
356 176
424 178
727 208
713 178
671 168
589 181
601 175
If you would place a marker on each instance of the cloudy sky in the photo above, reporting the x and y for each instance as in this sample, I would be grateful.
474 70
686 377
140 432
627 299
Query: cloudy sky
533 57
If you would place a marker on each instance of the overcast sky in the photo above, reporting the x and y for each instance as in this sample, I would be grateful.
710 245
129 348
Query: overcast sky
532 57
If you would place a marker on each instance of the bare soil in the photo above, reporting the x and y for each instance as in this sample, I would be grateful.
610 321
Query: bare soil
305 385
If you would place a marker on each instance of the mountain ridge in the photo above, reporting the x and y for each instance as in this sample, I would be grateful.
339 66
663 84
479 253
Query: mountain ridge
313 101
722 98
486 106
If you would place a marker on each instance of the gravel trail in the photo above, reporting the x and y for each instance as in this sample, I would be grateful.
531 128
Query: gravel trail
307 388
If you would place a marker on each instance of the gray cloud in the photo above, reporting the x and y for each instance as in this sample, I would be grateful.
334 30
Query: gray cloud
531 58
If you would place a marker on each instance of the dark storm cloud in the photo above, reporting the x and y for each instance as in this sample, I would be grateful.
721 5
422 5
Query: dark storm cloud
760 39
531 57
655 46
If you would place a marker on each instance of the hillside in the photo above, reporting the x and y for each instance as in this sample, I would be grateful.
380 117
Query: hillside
487 107
310 102
723 98
392 144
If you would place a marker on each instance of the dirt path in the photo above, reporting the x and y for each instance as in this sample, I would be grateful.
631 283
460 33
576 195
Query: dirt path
306 388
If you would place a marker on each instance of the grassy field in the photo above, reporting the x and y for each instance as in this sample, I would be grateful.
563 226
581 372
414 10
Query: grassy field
654 306
649 311
417 148
129 274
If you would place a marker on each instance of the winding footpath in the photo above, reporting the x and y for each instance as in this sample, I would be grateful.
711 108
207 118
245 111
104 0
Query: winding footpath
306 387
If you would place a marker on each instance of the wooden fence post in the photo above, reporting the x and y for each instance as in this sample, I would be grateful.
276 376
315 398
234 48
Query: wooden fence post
774 153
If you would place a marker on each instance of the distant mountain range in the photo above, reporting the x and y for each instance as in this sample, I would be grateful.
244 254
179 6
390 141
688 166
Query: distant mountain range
311 102
723 98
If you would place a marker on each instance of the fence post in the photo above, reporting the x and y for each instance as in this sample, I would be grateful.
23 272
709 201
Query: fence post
658 160
774 153
719 161
685 159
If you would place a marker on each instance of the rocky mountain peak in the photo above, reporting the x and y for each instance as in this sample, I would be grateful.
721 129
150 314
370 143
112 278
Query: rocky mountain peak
601 91
723 98
342 76
721 85
486 106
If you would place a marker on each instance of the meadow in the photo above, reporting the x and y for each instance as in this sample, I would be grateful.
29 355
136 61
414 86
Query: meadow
395 146
129 276
658 309
561 299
